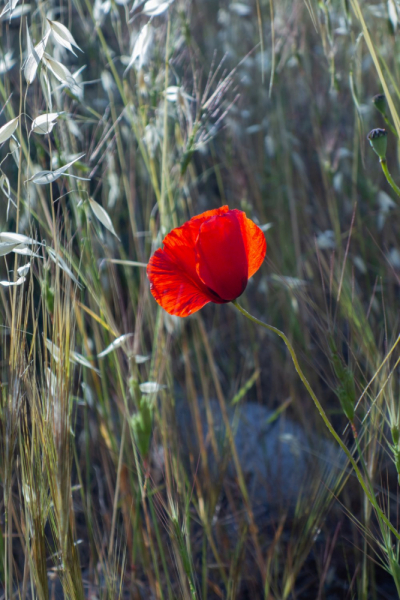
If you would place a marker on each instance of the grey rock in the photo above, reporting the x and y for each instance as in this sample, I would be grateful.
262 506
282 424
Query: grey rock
280 462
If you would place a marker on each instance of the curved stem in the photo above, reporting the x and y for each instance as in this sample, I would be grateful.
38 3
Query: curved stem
388 176
390 126
370 496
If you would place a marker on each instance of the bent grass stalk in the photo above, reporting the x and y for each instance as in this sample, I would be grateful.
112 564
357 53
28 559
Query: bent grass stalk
323 414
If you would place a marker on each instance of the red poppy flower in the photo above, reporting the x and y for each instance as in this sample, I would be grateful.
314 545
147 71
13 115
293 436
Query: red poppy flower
209 259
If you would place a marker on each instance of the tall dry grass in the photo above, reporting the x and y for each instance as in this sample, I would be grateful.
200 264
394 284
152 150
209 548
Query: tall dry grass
164 110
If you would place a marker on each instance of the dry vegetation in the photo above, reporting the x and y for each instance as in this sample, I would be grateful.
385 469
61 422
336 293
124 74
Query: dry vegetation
156 113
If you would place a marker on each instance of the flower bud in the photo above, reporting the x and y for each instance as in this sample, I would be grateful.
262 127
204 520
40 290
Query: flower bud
380 103
378 140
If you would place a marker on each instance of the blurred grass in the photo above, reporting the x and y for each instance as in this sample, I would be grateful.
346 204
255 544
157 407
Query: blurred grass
100 496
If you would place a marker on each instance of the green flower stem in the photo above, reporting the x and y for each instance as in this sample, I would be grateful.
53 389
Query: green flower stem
371 497
390 126
388 176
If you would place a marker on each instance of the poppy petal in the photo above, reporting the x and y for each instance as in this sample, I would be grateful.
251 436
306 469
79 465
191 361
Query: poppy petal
180 243
173 288
208 214
174 281
222 263
254 242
